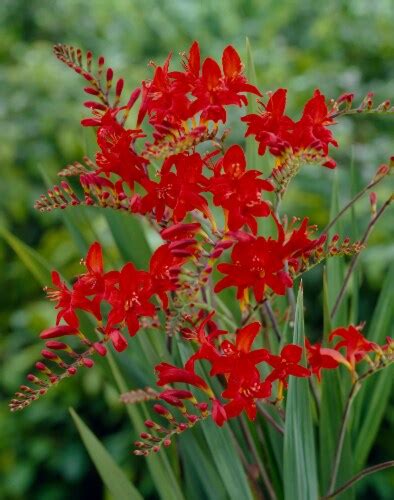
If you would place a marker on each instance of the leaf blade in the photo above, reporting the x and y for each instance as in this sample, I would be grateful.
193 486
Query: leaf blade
300 472
110 473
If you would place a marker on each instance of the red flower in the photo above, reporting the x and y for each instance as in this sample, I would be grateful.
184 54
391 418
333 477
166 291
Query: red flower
179 191
287 364
95 281
322 357
245 399
131 300
238 362
356 345
117 152
69 300
164 269
162 99
271 127
260 262
256 264
239 191
215 90
310 131
207 349
169 374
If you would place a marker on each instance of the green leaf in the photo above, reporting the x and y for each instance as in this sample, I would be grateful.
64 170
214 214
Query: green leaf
373 397
300 473
334 382
111 475
159 466
36 264
223 451
129 237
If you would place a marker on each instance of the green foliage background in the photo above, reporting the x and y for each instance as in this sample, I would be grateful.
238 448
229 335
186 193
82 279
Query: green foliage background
341 45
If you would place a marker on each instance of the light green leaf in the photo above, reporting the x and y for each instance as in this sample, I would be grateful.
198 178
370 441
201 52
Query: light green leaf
111 475
373 397
300 472
36 264
223 451
129 237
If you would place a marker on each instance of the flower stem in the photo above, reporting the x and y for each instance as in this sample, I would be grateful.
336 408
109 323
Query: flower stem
259 463
359 195
338 452
357 477
356 256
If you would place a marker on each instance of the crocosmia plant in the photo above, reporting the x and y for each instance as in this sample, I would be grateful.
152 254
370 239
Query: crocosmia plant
220 303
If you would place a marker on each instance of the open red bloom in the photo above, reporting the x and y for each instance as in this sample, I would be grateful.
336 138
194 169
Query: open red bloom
259 262
130 300
179 191
256 264
271 127
287 364
164 269
95 281
239 191
214 89
238 362
311 130
68 301
162 99
354 342
117 152
207 349
322 357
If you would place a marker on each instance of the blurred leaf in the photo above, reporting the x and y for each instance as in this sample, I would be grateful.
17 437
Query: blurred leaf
111 475
161 472
129 237
332 389
38 266
300 473
373 397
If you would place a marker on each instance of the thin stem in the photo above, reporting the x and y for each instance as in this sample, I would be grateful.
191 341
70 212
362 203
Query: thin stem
352 394
369 186
270 419
271 315
357 477
356 256
246 465
259 463
252 311
338 451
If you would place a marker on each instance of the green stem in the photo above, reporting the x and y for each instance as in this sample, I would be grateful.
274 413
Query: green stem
357 477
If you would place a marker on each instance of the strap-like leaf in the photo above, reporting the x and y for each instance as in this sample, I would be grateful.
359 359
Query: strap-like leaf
111 475
300 472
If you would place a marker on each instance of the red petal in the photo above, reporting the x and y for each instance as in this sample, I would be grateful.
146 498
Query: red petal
291 353
94 258
231 62
246 336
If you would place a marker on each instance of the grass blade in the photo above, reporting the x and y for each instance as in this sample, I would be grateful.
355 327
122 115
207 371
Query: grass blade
112 476
300 473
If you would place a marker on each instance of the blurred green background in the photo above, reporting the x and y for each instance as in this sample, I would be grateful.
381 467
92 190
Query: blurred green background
337 46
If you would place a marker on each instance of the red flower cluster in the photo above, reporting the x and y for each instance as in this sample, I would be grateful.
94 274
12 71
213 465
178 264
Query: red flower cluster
129 293
259 262
282 136
202 198
173 97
